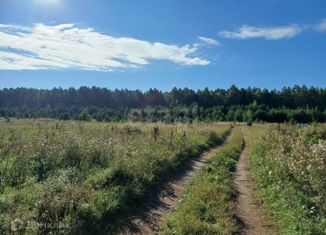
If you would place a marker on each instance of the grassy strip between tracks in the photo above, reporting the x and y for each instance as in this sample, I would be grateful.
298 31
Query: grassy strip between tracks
207 204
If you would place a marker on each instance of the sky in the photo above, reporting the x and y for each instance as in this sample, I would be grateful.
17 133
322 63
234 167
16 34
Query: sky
162 44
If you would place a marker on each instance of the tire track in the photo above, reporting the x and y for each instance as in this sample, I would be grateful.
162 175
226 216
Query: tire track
152 219
252 219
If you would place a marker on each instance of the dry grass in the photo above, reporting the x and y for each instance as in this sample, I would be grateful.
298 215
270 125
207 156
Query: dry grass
87 175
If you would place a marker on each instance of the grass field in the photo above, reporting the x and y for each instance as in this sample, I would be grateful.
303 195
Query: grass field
88 176
289 167
289 171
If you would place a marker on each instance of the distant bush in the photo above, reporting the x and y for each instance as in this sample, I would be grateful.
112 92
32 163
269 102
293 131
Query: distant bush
64 116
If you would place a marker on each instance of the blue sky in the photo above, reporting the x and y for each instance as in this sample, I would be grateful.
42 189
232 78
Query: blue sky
163 43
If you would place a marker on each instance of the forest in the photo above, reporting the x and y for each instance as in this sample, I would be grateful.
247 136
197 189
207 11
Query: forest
298 104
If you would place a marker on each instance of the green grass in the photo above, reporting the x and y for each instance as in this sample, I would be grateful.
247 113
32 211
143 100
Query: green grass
207 203
89 176
289 168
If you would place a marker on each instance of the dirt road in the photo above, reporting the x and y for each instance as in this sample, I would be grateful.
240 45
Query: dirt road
252 218
151 220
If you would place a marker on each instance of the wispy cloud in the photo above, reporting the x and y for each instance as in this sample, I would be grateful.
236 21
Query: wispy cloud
321 26
68 46
47 2
209 41
269 33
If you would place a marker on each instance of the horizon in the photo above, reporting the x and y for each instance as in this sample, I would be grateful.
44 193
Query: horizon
272 44
170 90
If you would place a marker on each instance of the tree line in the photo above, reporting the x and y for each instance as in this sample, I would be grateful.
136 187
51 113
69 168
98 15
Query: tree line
290 104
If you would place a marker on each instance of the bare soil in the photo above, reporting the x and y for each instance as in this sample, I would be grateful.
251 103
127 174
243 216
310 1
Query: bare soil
251 217
151 220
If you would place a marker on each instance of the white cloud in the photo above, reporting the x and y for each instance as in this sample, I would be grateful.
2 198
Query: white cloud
269 33
68 46
321 26
209 41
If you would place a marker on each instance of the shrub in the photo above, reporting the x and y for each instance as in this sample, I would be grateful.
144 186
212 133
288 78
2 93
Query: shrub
290 171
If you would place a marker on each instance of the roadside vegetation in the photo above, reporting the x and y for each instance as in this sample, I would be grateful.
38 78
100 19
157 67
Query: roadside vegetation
89 176
289 168
206 206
